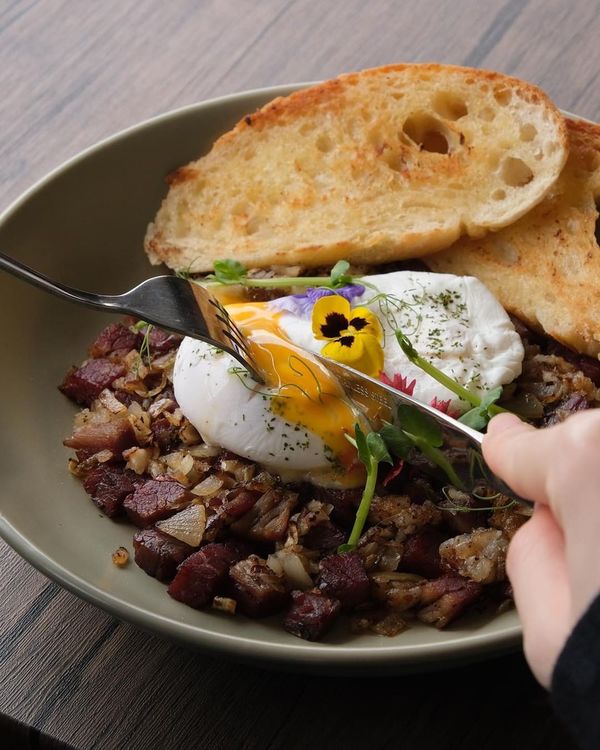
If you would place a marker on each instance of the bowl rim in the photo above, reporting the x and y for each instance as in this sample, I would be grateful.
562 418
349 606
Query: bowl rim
308 655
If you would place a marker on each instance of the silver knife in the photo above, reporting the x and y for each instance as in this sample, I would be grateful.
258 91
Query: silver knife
377 397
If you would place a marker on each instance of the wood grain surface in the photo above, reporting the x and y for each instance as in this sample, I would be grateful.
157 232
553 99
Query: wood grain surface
72 73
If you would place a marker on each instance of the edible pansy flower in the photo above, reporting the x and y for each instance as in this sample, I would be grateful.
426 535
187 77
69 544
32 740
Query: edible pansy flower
444 406
302 304
399 382
354 334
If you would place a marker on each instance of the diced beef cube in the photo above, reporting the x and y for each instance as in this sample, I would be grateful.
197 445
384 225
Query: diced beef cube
108 487
344 577
268 519
159 554
324 536
165 434
86 383
156 499
398 591
570 405
161 341
345 503
421 553
447 597
311 615
115 338
236 504
200 577
128 398
404 514
90 438
257 589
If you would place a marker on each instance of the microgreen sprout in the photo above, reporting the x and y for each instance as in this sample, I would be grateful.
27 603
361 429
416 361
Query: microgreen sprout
144 349
418 430
232 272
483 408
372 451
475 508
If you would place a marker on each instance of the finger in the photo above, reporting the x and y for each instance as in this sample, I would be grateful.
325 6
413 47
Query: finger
511 454
537 570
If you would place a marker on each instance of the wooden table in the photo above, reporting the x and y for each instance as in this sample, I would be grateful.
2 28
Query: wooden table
72 73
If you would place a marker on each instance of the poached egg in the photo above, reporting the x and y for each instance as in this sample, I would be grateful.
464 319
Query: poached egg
296 424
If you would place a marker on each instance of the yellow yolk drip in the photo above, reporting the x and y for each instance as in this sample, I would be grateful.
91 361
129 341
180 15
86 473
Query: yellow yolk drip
308 395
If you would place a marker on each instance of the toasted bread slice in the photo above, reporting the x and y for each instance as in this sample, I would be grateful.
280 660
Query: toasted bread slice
545 268
373 166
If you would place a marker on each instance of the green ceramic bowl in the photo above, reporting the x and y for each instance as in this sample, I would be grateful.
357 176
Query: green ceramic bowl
84 225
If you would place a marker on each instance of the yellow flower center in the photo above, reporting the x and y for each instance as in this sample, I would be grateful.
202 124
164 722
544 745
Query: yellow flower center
354 335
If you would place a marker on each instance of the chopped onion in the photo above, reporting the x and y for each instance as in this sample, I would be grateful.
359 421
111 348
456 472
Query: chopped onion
138 459
208 486
291 565
159 406
224 604
188 525
108 399
204 451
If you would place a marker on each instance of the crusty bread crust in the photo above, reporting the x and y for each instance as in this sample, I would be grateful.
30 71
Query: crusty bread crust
373 166
545 268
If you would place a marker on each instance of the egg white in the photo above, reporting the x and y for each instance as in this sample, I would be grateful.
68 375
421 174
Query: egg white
453 321
229 410
471 338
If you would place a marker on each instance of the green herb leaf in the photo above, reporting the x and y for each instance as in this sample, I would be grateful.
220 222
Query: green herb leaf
362 446
229 272
396 441
420 425
339 274
479 416
378 449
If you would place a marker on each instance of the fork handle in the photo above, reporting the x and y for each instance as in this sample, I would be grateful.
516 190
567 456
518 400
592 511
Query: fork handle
25 273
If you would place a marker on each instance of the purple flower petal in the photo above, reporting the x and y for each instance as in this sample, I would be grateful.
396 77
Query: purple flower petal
302 304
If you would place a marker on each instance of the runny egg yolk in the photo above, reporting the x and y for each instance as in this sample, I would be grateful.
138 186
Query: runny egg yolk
307 394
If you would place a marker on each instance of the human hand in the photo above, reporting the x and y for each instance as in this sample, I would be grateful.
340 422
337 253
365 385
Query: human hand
554 559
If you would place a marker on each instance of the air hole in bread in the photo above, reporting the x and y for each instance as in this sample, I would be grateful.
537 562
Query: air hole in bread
503 96
487 113
450 106
597 225
515 172
429 133
397 95
499 195
551 148
324 143
249 154
306 128
527 132
394 161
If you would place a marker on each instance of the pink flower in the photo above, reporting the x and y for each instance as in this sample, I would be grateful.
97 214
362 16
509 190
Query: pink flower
444 406
399 383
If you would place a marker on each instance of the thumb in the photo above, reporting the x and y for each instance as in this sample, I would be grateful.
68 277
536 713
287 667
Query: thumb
514 451
538 573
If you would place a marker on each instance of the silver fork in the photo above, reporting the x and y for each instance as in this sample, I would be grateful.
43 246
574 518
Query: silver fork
170 302
182 306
